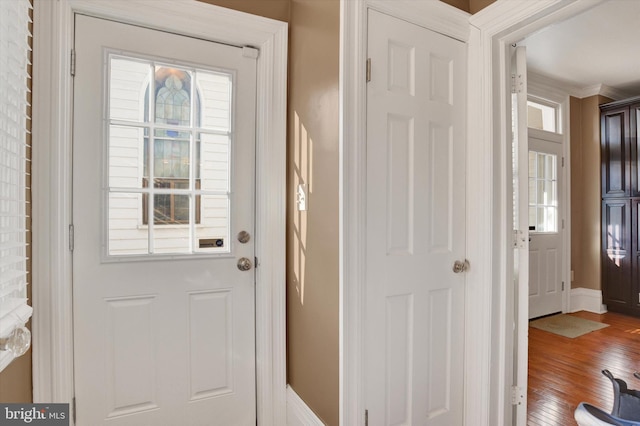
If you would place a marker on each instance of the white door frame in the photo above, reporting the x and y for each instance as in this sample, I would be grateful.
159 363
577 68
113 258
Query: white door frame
492 30
52 125
446 20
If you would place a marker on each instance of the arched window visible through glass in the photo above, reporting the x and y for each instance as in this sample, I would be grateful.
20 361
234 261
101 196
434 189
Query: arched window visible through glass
171 147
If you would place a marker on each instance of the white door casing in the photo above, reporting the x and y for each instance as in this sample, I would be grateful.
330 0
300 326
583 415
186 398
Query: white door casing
546 246
415 225
53 37
173 331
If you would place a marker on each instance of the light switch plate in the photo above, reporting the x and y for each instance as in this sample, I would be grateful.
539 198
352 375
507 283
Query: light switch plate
301 197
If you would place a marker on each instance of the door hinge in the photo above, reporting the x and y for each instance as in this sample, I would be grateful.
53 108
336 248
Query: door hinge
366 417
368 70
517 396
562 161
562 285
71 238
517 83
256 262
562 223
250 52
73 409
519 239
73 62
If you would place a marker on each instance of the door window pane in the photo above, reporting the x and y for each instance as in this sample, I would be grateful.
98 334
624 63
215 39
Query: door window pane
169 125
542 117
543 192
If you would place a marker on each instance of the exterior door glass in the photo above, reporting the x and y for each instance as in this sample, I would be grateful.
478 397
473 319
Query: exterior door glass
543 192
169 155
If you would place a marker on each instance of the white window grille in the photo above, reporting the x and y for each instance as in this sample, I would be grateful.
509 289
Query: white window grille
543 115
14 79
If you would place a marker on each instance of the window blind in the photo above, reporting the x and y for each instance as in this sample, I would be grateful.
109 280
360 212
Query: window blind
14 87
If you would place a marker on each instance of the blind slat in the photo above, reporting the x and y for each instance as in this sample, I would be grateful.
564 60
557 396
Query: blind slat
14 81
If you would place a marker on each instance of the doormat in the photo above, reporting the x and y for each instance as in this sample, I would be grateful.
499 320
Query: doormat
567 325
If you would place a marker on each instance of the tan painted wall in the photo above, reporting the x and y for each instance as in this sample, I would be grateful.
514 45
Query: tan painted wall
476 6
575 129
585 191
274 9
312 236
460 4
312 255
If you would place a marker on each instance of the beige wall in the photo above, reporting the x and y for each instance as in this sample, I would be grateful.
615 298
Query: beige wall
476 6
312 158
585 191
312 255
471 6
460 4
274 9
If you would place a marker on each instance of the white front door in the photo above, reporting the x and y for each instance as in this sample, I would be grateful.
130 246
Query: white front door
545 225
415 310
163 186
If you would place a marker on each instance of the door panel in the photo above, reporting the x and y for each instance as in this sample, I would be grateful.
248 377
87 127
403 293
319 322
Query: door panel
415 225
164 329
615 153
616 253
545 227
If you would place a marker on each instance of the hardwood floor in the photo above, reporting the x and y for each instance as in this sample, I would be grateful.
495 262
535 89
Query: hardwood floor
564 372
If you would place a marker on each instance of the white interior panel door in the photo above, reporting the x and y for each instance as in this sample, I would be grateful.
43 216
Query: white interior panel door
163 184
520 314
545 227
415 225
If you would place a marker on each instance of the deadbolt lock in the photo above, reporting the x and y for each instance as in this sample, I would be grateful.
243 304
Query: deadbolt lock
244 237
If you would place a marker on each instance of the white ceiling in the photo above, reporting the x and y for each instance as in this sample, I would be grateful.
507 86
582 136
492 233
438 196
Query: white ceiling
599 46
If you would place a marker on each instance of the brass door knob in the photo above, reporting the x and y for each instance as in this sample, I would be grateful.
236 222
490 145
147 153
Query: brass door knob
460 266
244 264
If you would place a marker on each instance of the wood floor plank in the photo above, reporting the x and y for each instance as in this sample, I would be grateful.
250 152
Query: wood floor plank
564 372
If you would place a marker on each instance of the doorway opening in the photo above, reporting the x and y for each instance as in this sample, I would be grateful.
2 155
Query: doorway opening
559 15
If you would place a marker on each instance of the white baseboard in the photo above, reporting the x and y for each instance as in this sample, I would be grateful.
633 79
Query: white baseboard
299 413
586 299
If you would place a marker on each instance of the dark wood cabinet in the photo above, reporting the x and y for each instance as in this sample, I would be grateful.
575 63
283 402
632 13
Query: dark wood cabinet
616 153
620 160
616 254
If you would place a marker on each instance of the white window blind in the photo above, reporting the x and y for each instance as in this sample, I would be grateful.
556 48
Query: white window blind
14 79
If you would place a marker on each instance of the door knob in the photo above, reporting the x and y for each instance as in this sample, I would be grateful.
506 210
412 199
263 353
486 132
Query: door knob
461 266
244 264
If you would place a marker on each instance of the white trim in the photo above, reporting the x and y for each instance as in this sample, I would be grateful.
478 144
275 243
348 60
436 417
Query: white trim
587 299
353 36
52 87
353 47
552 86
497 26
434 15
299 413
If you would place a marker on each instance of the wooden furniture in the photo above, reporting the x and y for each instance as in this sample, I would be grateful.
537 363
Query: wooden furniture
620 159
